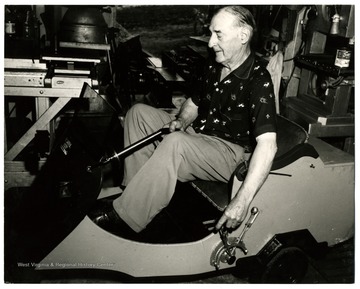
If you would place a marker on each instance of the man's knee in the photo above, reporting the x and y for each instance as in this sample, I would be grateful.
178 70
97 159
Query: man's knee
137 109
138 113
177 138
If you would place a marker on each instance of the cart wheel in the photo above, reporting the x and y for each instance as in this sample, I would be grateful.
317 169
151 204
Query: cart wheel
289 265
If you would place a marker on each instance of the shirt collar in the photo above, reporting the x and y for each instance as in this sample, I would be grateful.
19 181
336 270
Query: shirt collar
243 71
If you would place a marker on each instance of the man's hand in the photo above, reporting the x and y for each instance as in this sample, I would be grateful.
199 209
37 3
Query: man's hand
188 113
233 215
243 193
176 124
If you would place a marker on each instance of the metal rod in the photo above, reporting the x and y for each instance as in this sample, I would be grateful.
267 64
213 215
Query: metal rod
150 138
280 174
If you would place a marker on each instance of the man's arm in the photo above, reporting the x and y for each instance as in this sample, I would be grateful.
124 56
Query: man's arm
187 114
259 168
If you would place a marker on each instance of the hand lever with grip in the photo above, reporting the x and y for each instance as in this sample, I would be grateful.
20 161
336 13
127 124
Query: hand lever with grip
150 138
225 251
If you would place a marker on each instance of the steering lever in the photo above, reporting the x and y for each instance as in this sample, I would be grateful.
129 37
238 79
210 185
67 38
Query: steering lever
150 138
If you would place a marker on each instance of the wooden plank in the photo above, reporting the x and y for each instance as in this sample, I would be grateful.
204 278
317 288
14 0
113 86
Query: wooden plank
72 71
17 179
155 61
72 59
332 130
330 155
18 166
83 45
42 104
40 123
42 92
24 63
24 78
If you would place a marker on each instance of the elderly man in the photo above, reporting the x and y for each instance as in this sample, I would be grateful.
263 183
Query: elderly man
235 116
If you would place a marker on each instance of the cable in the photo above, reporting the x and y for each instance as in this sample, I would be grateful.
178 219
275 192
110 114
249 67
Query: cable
302 44
336 82
293 69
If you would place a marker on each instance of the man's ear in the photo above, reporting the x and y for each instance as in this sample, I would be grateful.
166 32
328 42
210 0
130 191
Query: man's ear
245 34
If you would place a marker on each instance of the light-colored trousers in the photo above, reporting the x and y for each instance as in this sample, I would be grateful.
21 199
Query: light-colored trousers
151 173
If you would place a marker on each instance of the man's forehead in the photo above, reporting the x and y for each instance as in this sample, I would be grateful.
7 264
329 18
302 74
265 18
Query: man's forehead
222 21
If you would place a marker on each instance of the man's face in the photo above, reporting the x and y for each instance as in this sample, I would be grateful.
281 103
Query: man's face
225 38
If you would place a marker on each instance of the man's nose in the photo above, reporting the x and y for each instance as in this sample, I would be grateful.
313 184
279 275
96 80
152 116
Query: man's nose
212 41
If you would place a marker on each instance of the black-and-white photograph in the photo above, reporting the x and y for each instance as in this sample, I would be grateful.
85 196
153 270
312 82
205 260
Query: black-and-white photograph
179 144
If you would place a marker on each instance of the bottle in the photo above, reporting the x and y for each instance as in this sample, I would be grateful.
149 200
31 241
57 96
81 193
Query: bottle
10 23
344 54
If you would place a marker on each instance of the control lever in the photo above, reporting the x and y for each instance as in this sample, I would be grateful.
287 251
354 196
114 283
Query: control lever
225 251
239 240
150 138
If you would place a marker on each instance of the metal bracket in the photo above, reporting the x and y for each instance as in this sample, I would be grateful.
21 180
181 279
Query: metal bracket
225 251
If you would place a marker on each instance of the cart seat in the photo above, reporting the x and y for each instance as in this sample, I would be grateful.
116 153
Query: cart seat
292 145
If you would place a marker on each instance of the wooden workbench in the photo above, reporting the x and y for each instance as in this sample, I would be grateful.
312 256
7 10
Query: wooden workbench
29 78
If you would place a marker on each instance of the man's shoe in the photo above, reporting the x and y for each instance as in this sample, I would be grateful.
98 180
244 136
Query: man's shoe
104 215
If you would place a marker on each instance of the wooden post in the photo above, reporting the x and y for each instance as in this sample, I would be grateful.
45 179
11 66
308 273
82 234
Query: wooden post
40 123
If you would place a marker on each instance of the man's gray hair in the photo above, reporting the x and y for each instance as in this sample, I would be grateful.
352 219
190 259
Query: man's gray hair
243 16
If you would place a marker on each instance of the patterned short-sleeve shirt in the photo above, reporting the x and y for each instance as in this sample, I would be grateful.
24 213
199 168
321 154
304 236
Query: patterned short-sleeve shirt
240 107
